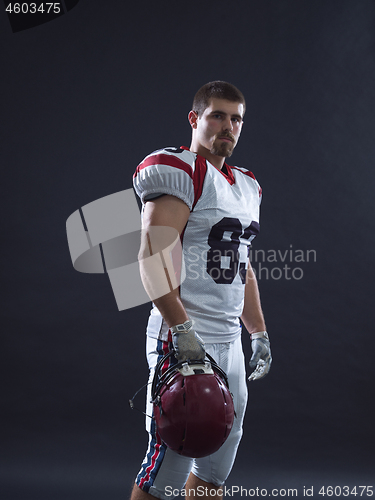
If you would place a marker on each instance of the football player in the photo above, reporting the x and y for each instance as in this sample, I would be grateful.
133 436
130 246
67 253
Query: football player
215 209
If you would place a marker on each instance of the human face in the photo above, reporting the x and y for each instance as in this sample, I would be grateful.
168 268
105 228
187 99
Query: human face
219 127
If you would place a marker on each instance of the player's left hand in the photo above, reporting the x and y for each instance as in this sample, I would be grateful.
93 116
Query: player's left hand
261 359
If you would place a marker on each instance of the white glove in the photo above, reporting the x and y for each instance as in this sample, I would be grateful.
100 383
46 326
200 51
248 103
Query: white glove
261 359
186 343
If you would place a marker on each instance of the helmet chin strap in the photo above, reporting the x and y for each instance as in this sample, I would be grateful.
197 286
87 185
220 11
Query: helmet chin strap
131 401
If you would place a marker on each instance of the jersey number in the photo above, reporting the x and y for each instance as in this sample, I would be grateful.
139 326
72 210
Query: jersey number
223 255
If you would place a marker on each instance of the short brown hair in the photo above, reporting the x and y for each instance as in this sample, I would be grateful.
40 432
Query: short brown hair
217 90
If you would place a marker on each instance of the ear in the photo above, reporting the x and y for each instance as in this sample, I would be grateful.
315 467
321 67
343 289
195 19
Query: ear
193 118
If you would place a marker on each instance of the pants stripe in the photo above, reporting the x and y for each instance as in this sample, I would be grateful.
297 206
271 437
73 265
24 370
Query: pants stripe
157 448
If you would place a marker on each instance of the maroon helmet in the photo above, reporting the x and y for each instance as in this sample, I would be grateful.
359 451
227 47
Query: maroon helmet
193 407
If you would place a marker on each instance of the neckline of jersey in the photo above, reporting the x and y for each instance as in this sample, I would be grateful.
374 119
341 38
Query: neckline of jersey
229 177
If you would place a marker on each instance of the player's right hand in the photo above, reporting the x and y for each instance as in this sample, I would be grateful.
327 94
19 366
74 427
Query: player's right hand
186 343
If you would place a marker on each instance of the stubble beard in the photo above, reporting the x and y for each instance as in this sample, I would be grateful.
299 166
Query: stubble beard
224 149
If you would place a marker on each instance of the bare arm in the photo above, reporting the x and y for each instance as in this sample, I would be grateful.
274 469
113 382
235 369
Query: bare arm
171 212
252 315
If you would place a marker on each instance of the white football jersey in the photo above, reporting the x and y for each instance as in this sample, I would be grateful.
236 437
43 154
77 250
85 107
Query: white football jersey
224 219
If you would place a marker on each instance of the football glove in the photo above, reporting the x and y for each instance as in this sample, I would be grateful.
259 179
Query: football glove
261 359
186 343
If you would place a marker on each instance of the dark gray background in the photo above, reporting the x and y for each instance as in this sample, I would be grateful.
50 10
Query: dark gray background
84 99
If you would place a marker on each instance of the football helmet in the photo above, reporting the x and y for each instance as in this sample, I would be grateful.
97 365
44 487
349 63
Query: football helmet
193 408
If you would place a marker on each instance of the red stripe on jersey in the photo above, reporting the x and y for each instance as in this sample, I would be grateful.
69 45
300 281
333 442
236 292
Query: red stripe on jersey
198 178
247 172
163 159
229 177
